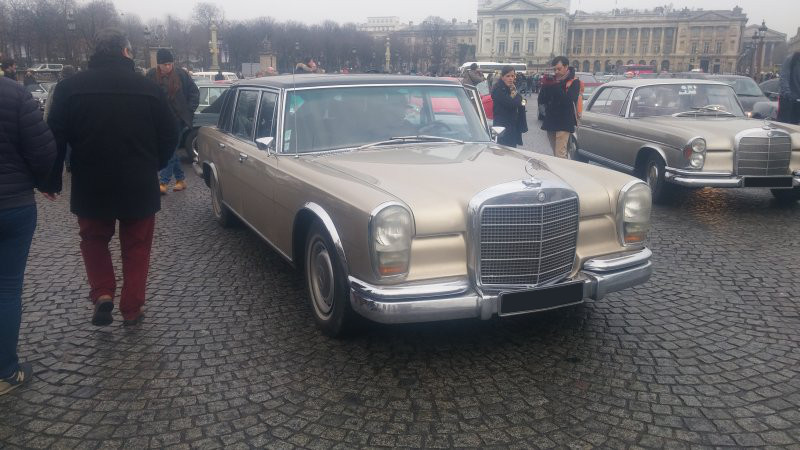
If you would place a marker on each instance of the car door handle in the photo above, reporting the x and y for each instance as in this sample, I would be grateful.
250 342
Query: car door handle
242 157
221 145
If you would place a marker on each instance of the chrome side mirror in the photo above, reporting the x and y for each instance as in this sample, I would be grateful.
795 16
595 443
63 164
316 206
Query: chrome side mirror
497 132
265 143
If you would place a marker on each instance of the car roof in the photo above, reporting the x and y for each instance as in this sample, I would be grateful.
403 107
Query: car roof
220 83
633 83
315 80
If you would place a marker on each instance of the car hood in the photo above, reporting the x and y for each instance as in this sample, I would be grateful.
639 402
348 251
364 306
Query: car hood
437 181
719 132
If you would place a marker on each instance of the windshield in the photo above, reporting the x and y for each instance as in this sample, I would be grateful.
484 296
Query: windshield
349 117
668 99
742 86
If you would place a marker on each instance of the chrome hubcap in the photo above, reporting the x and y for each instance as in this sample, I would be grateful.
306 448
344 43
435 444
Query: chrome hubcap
320 278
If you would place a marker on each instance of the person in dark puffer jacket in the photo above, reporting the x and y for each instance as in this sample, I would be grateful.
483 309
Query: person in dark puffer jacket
27 154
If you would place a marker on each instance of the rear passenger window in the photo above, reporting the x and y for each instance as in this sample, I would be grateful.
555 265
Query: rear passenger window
611 101
244 117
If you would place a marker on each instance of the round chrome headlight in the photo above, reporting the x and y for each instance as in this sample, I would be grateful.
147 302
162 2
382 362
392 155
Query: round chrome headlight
695 152
698 145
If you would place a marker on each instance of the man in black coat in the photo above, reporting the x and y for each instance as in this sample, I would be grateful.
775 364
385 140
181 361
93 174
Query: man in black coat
122 132
27 153
561 106
789 110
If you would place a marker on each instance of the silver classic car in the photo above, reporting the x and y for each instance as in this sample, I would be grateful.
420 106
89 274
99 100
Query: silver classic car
687 132
391 196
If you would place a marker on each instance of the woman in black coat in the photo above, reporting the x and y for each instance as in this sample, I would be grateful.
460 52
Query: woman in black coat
509 109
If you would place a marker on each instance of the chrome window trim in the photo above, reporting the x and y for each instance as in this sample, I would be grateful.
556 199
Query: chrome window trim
371 242
475 209
621 214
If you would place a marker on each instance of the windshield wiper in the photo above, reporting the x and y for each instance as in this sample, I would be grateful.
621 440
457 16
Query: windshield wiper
417 138
696 110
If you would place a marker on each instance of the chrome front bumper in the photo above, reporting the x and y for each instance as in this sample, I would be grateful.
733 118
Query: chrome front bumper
712 179
456 298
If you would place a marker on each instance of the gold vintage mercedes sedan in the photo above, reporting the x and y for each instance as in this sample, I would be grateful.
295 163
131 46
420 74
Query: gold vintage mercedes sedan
690 133
391 196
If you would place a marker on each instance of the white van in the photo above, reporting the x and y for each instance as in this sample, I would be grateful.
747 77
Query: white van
209 76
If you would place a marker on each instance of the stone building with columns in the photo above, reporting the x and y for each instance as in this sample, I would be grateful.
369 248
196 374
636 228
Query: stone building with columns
670 40
529 31
794 43
534 31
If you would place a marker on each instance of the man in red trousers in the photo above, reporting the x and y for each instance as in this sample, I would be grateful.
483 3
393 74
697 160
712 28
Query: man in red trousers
122 132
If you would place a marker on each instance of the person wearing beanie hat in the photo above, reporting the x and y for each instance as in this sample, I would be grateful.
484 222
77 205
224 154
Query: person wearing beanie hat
184 97
164 56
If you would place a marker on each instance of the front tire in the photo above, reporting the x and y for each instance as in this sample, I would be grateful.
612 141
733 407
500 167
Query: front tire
653 174
786 195
328 290
222 214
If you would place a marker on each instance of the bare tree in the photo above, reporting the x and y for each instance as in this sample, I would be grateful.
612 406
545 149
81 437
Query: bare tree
434 30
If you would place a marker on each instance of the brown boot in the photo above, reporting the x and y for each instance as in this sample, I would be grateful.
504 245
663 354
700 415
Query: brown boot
179 186
163 187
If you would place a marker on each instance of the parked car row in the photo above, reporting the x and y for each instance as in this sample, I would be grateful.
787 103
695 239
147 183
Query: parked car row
392 197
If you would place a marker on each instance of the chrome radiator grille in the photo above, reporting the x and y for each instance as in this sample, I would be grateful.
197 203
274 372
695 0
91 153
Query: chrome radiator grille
527 244
764 155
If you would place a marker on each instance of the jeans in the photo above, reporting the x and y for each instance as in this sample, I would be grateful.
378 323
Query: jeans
174 164
136 240
16 233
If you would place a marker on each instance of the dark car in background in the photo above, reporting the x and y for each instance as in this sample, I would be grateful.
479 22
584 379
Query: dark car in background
207 113
746 90
39 91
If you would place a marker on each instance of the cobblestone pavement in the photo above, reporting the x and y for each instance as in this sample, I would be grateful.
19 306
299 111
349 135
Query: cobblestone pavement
705 354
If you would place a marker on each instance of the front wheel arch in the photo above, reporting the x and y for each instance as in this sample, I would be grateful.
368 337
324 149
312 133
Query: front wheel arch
303 220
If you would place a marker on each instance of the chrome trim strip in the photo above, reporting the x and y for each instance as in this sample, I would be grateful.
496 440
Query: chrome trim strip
454 84
606 161
718 182
617 261
412 290
327 222
602 284
696 173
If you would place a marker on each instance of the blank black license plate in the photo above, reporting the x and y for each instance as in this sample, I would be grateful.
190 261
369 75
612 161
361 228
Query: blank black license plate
768 182
539 299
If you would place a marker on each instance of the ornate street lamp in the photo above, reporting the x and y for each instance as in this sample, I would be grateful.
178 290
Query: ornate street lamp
388 67
70 30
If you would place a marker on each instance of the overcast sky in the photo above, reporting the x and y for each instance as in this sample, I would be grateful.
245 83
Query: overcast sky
781 15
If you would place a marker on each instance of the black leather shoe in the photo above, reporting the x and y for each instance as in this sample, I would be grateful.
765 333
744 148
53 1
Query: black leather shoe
102 313
132 322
